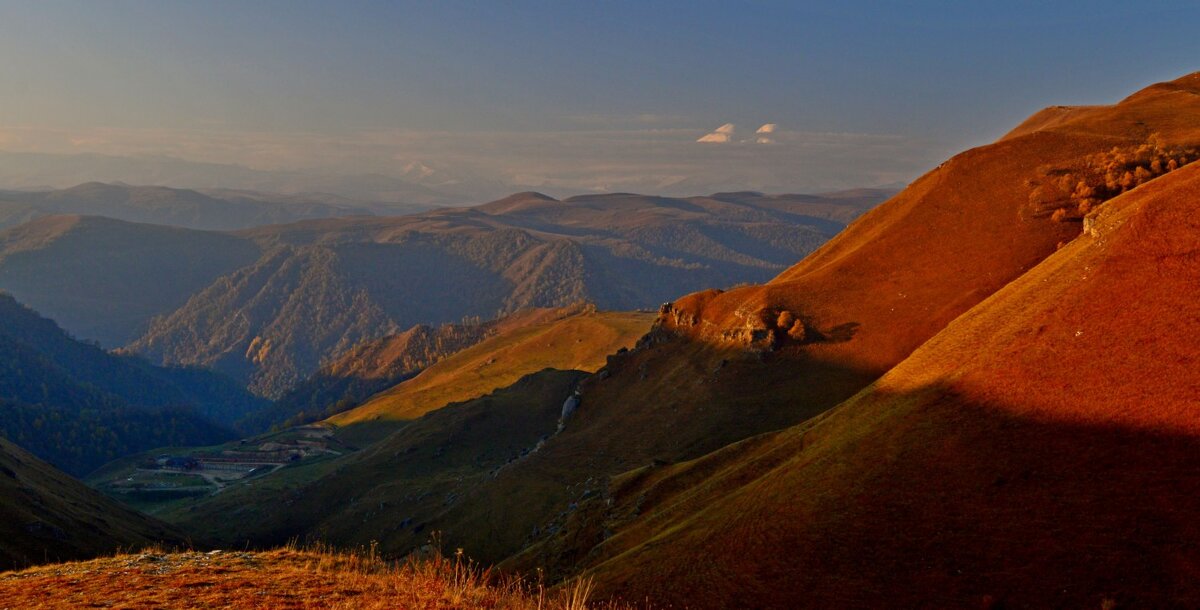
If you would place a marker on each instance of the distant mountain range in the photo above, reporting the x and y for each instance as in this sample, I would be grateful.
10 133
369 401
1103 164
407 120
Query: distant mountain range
268 305
104 279
320 287
427 183
37 171
215 209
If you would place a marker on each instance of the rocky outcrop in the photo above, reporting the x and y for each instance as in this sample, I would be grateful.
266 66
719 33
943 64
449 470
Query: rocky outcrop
754 329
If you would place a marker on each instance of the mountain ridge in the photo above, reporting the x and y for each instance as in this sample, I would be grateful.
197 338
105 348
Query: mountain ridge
621 252
203 209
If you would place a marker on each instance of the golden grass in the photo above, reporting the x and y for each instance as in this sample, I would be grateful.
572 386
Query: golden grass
288 577
579 342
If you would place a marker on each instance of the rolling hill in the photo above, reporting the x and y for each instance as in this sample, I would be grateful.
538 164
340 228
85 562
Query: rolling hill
447 454
723 366
46 515
77 406
574 340
321 287
377 365
662 430
1040 451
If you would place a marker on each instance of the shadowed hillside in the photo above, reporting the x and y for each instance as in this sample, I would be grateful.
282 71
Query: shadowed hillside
506 394
78 406
322 287
448 453
104 279
46 515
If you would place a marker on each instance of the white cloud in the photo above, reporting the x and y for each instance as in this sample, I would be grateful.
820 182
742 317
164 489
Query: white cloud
719 135
764 133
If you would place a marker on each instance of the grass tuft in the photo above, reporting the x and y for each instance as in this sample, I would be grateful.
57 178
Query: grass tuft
293 576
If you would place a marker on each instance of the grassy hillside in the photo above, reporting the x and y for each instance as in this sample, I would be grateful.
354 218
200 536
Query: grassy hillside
405 485
505 394
1038 452
323 287
721 367
283 578
46 515
374 366
580 341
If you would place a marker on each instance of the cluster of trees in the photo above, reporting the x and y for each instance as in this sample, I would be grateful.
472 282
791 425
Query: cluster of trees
1068 195
78 439
77 406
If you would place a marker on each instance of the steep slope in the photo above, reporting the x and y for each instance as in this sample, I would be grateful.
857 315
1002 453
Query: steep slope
270 322
322 287
374 366
77 406
721 367
104 279
215 210
1040 451
46 515
447 453
578 341
506 393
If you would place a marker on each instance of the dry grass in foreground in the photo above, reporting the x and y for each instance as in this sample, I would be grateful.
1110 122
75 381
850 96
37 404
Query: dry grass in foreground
283 578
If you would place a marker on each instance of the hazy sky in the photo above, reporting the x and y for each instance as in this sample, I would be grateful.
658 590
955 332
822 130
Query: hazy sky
570 95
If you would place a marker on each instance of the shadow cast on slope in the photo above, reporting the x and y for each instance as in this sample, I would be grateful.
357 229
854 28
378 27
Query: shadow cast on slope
928 499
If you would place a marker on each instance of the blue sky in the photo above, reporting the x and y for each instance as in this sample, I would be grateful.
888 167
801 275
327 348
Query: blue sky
380 85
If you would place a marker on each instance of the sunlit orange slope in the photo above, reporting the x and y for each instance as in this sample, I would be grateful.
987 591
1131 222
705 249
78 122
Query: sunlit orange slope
1041 451
721 367
904 270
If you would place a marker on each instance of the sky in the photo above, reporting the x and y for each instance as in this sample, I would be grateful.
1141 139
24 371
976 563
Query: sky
564 96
